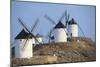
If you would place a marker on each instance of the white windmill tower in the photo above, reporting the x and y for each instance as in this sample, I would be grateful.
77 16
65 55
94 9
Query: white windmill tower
73 28
24 41
23 48
59 31
39 38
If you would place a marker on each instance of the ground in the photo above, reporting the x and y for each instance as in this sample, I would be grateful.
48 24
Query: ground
81 50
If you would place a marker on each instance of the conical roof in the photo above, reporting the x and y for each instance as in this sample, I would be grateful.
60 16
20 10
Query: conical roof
72 21
60 25
23 35
38 35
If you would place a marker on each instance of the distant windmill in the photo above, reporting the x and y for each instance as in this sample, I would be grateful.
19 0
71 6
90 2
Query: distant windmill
25 40
72 26
60 32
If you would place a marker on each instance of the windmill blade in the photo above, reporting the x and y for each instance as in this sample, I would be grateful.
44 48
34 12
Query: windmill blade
81 30
21 22
62 16
33 28
47 17
67 15
35 24
65 31
49 34
24 44
36 39
27 40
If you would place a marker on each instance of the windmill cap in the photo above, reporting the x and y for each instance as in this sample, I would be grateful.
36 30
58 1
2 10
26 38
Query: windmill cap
60 25
72 21
23 35
38 35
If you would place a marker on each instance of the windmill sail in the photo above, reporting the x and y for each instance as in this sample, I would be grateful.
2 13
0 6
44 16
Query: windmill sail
62 16
29 32
34 25
66 18
81 29
52 21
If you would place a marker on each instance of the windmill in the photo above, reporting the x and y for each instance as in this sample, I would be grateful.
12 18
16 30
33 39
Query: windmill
57 25
25 40
72 26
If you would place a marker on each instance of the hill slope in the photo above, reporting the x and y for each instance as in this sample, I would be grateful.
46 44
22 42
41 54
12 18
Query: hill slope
71 51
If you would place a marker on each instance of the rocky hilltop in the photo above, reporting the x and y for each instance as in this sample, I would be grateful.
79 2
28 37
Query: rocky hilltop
75 50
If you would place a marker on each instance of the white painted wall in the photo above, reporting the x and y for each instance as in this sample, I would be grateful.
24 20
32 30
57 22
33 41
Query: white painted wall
60 35
33 40
74 30
40 40
25 52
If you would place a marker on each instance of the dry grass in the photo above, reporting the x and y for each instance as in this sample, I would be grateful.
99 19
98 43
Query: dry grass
65 52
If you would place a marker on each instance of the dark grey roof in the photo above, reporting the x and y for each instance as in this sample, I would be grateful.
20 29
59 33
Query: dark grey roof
60 25
23 35
72 21
38 35
52 37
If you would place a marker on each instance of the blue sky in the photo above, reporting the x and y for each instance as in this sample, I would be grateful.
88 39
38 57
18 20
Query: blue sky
30 11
